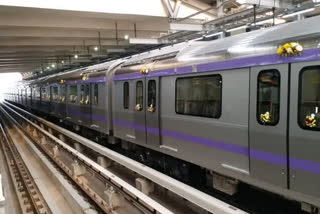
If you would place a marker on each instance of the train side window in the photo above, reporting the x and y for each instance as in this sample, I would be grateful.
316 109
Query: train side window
73 94
309 98
96 94
43 94
38 94
55 94
268 97
87 94
126 95
139 96
199 96
62 93
82 94
152 95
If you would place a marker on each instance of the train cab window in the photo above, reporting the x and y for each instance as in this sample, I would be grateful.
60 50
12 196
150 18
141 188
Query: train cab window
309 98
152 94
96 94
62 93
73 94
268 97
55 93
125 95
199 96
139 96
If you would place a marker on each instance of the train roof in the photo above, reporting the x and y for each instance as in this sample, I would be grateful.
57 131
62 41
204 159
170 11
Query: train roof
255 43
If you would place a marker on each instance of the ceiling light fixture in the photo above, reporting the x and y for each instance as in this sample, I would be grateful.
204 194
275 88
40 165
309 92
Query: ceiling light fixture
76 56
126 37
299 12
95 48
53 65
62 62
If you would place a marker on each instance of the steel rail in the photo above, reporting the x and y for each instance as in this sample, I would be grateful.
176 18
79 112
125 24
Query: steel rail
29 196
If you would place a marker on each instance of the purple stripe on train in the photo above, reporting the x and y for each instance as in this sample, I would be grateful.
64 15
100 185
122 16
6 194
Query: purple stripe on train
303 165
307 55
80 114
299 164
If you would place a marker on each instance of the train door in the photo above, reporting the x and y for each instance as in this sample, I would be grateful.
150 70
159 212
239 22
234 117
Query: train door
140 111
268 123
304 132
152 111
96 111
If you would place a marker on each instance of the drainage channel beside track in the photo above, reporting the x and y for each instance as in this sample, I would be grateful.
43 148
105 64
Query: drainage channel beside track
98 162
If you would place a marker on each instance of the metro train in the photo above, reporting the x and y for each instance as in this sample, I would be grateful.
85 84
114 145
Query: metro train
233 107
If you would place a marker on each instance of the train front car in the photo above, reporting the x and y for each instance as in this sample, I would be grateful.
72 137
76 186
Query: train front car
246 108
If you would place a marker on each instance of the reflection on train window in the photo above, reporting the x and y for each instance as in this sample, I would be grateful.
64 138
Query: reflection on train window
199 96
125 95
152 90
268 99
62 93
36 93
55 93
82 94
96 94
73 95
44 94
139 96
309 98
87 94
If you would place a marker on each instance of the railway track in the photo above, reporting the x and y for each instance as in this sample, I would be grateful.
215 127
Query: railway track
29 196
88 163
108 191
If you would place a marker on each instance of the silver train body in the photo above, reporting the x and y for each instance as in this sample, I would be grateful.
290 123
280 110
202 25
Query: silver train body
203 102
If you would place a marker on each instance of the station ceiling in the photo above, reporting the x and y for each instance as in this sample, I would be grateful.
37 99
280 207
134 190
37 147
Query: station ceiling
35 40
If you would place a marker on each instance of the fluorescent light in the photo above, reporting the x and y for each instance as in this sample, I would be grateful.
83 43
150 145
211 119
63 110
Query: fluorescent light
276 21
299 12
237 28
48 67
241 1
212 35
269 13
197 39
